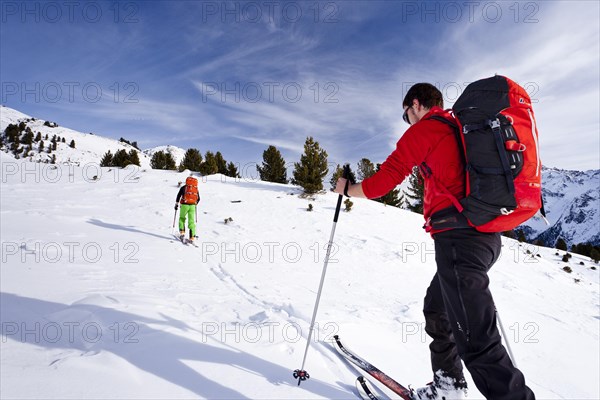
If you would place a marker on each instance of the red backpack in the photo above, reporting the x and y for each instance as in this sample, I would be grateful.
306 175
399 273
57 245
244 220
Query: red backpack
497 132
191 195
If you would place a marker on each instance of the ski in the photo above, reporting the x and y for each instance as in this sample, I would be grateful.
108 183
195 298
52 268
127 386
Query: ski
181 239
364 390
372 370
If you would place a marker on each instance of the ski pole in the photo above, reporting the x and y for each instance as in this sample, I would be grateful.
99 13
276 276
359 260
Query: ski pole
301 373
510 353
174 218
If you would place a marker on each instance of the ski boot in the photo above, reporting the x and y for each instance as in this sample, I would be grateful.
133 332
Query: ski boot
442 388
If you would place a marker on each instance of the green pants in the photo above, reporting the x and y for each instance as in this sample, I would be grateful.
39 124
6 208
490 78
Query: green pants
188 210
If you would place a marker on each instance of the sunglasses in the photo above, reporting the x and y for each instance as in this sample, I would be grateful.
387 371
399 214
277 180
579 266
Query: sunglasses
405 115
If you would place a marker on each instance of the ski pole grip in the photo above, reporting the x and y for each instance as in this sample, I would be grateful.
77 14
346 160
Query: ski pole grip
345 175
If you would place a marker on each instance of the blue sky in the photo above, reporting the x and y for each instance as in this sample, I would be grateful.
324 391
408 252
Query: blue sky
239 76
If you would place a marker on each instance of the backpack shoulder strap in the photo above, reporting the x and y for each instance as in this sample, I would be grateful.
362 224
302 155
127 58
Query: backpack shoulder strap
444 120
456 129
459 142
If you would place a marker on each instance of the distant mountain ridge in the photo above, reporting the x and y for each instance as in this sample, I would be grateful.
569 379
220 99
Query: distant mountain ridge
572 198
572 202
89 147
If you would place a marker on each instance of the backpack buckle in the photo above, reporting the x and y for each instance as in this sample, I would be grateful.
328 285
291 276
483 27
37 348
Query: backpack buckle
495 124
505 211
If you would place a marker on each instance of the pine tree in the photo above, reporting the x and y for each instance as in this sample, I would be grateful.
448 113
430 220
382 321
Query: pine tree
561 244
158 160
221 163
120 159
273 166
338 173
41 146
521 236
134 144
209 166
38 137
63 140
12 133
72 144
133 158
312 168
192 160
348 203
595 254
28 138
391 198
170 162
232 171
417 192
107 159
585 249
14 147
366 169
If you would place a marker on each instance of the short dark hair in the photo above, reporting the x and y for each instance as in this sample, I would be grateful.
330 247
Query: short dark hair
427 94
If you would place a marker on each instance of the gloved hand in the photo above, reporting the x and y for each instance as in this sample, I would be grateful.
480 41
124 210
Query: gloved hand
176 206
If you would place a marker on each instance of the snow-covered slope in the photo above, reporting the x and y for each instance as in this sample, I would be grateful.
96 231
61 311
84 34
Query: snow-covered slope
89 148
99 301
572 197
572 201
10 116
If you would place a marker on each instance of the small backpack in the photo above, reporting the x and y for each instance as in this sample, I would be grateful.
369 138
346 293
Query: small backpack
191 195
498 134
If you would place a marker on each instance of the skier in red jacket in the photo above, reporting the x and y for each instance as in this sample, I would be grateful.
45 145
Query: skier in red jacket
459 310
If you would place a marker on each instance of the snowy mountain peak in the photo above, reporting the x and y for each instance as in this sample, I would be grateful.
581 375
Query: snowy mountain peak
572 203
177 152
88 147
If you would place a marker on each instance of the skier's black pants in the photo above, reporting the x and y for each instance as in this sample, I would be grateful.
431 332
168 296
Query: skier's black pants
460 315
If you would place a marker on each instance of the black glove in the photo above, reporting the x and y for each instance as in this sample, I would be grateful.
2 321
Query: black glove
176 207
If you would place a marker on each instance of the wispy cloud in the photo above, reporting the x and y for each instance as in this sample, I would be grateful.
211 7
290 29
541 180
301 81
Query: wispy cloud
353 72
558 65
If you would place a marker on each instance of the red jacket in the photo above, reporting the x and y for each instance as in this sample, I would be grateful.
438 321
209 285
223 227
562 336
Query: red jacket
434 143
